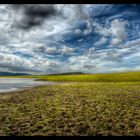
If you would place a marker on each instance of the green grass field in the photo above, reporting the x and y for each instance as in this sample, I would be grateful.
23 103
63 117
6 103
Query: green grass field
112 77
102 104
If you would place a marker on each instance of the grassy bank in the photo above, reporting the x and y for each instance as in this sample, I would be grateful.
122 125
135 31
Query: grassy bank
112 77
75 109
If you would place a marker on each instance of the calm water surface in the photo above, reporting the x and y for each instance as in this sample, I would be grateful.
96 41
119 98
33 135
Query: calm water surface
12 84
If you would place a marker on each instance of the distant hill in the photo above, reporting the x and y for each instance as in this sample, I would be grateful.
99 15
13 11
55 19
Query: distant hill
68 73
12 74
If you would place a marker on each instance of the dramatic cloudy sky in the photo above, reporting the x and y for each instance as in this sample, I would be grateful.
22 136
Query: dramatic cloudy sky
61 38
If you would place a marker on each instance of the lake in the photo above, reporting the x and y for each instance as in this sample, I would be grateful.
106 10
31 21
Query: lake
12 84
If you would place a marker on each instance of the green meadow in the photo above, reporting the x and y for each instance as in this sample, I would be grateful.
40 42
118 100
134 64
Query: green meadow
110 77
85 105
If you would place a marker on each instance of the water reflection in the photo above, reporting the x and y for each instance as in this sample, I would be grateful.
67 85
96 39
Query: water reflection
11 84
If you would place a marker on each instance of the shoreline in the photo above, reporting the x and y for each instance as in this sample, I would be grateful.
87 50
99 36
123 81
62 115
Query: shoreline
35 86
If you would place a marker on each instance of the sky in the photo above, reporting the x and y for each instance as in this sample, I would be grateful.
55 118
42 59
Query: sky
60 38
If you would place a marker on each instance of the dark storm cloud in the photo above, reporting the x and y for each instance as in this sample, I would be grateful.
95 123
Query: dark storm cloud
33 14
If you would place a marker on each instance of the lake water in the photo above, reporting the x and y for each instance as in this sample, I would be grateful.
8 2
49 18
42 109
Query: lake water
12 84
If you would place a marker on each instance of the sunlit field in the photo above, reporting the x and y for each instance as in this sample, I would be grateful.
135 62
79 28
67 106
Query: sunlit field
110 77
107 104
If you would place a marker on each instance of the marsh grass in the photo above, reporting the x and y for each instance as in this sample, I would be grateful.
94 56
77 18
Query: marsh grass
81 109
